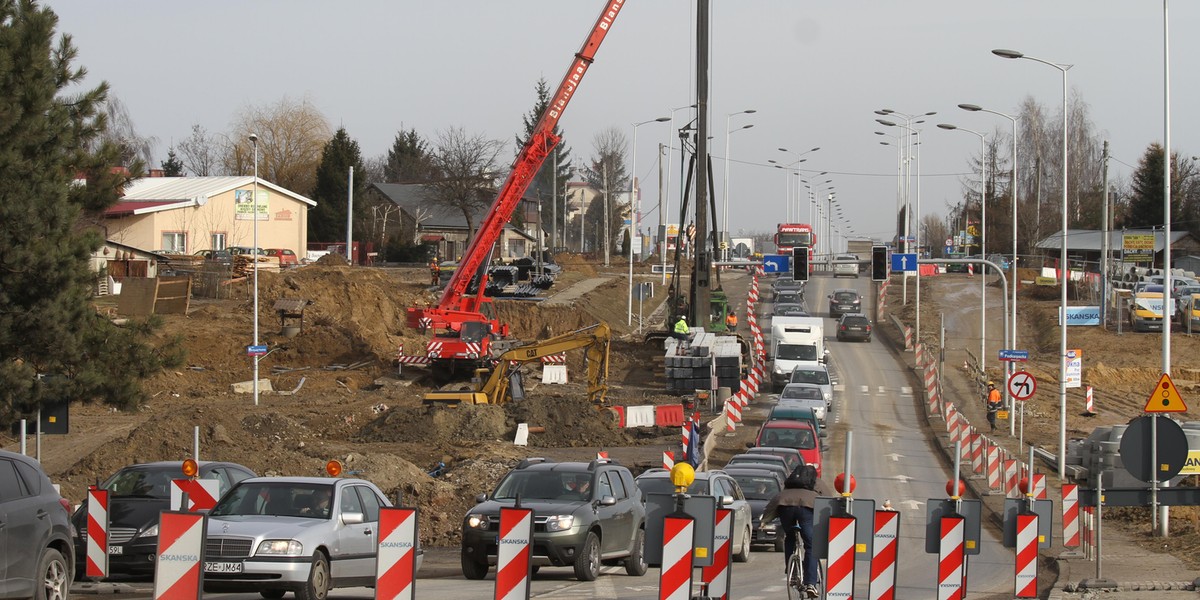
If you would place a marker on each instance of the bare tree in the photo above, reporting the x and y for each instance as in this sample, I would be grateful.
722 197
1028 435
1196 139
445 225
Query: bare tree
122 132
291 136
606 172
934 231
467 167
201 152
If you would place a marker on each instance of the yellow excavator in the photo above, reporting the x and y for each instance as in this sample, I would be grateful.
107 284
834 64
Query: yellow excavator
503 382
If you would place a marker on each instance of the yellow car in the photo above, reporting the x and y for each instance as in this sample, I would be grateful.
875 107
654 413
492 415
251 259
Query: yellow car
1146 309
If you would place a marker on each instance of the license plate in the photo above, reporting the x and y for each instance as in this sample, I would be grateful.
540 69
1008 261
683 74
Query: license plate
222 567
116 549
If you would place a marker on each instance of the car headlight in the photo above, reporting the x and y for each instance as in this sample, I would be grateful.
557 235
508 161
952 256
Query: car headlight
477 521
559 522
828 396
281 548
151 531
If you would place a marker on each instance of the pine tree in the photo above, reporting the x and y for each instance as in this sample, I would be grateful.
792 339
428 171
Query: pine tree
408 160
327 222
54 346
172 167
1146 190
543 186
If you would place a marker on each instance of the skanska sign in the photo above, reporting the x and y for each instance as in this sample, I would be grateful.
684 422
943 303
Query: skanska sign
1081 315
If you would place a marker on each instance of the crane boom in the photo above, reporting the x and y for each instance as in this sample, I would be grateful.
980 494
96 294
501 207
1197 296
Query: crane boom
456 306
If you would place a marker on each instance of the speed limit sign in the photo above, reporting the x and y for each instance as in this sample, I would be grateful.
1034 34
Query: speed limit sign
1021 385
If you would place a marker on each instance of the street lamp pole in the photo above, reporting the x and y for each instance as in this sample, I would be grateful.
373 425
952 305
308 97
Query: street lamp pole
725 208
254 253
662 246
909 121
982 241
1062 349
797 163
635 208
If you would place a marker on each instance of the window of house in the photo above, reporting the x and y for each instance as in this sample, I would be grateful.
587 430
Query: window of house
516 248
174 241
218 241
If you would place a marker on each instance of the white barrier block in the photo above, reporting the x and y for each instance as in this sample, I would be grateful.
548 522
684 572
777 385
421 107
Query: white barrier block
639 416
554 373
522 435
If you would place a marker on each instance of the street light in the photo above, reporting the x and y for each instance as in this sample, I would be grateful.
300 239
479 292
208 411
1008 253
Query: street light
254 141
662 202
982 240
909 121
1062 349
1013 192
725 209
635 208
797 162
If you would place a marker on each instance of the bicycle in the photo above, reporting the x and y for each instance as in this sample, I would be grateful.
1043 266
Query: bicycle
795 574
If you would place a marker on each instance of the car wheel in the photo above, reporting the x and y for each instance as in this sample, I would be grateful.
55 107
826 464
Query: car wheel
534 569
587 562
473 569
636 565
272 594
53 576
317 586
743 553
779 542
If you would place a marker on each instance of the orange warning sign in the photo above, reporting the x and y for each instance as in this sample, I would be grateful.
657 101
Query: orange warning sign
1165 398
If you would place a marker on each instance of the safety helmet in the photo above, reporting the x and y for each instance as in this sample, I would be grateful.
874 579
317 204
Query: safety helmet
992 383
682 317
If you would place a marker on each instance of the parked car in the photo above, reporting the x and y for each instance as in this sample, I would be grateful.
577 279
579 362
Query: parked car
999 259
789 408
286 257
583 512
759 486
817 374
1146 309
845 268
305 535
844 301
245 250
789 297
788 310
136 496
854 326
791 456
729 495
792 434
35 532
1189 312
221 257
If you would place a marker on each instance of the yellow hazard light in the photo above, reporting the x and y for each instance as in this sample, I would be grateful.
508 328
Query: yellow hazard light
190 468
333 467
682 476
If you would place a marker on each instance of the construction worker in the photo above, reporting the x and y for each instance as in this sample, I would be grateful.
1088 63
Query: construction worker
731 321
435 272
994 403
680 330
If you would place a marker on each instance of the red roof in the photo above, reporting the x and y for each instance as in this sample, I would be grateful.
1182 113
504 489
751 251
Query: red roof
126 208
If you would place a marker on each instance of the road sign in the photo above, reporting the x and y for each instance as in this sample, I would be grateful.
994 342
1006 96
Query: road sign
904 262
1021 385
1165 398
1014 355
1171 454
256 350
775 263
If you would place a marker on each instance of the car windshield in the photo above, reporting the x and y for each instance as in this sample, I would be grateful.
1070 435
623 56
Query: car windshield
277 499
788 437
789 310
796 352
800 392
147 482
845 296
545 485
662 485
818 376
756 487
855 321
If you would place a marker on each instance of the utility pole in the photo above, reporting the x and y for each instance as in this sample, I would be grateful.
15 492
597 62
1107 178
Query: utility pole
701 271
1104 245
607 237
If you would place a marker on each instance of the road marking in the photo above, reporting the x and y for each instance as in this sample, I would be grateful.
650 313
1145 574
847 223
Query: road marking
912 504
902 478
895 457
866 389
882 391
906 390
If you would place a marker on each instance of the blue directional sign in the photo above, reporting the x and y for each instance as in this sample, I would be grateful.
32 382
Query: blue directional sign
256 350
1014 355
904 262
776 263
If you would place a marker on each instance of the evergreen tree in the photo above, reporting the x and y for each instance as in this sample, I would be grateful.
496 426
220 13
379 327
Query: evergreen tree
1145 207
327 221
543 186
409 160
54 346
172 167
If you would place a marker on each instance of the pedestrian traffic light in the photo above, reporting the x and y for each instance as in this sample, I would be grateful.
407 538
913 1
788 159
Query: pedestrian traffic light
800 264
879 263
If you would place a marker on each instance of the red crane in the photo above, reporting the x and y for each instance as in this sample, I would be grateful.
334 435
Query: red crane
462 333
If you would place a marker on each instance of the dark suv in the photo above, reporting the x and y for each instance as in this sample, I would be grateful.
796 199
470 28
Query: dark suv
584 514
843 301
35 532
854 326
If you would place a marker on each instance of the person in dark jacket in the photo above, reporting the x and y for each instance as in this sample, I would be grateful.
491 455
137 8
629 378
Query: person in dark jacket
794 507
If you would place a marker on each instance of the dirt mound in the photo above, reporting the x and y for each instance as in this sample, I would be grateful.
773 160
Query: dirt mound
575 263
333 260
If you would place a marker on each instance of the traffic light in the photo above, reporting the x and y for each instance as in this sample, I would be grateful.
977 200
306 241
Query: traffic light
879 263
800 264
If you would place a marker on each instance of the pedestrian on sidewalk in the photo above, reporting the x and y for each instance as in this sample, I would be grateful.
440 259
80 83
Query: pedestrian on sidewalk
994 404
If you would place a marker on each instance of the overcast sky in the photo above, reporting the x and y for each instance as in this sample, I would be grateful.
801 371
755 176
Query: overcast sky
814 70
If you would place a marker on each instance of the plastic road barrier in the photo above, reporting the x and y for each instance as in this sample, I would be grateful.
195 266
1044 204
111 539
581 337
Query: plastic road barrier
1027 555
513 568
883 561
202 494
675 577
177 572
839 584
97 531
395 563
951 558
1070 515
717 575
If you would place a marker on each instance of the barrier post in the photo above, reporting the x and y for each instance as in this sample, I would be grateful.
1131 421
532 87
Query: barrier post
395 559
993 467
513 567
951 559
839 583
675 576
1027 555
178 572
883 560
668 459
718 576
97 533
1010 477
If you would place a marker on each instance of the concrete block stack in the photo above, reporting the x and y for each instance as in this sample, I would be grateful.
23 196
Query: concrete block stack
693 366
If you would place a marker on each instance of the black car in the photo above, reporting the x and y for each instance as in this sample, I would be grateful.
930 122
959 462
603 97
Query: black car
854 326
843 301
584 513
759 487
137 494
789 297
35 532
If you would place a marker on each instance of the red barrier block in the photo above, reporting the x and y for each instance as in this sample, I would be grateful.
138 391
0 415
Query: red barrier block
670 415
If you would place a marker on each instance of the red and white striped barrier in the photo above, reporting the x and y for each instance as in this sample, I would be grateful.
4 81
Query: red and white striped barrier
1027 556
993 467
1039 487
1070 515
180 548
97 533
602 455
675 576
686 437
668 460
1087 522
1089 405
919 350
970 270
717 574
513 568
978 441
840 568
395 562
883 559
733 415
951 558
965 432
908 337
555 359
1010 478
202 494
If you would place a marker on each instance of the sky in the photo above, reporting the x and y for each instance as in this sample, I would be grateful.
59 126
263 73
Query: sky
813 70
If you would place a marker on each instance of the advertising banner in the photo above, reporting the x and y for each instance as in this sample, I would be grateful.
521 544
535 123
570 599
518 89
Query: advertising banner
243 205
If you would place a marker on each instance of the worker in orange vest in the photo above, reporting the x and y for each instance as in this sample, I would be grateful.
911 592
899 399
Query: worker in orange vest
731 321
435 272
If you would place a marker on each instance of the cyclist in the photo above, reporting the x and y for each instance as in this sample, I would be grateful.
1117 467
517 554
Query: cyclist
794 507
